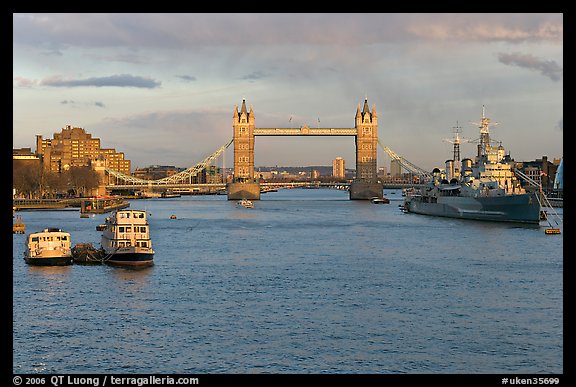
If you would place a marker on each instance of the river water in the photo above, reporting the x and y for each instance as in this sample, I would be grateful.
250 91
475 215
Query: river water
306 282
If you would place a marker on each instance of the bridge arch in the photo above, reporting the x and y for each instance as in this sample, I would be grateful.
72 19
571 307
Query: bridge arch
365 186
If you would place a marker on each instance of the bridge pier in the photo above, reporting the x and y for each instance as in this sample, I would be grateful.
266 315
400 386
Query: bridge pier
360 190
238 191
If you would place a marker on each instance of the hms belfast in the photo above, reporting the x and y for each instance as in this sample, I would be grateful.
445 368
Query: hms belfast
486 189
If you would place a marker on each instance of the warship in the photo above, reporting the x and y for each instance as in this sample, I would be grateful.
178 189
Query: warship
484 189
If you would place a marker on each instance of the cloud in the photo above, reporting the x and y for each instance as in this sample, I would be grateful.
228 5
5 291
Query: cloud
122 80
25 82
191 30
548 68
255 75
188 78
78 104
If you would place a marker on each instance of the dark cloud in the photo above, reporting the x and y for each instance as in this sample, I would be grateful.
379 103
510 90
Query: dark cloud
254 76
77 104
548 68
122 80
188 78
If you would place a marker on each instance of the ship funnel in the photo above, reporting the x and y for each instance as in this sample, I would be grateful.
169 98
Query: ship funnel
449 169
467 170
466 165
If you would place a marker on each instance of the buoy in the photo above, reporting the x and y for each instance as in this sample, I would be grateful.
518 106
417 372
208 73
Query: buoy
552 231
19 227
173 217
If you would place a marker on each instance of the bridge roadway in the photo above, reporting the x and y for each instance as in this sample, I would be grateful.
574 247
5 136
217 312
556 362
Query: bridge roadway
268 185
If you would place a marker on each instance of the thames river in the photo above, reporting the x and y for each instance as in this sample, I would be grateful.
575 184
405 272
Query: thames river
307 281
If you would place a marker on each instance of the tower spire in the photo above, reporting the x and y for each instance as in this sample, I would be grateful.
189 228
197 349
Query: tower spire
243 109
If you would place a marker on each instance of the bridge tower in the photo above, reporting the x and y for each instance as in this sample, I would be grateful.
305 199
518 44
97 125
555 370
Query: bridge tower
243 185
366 184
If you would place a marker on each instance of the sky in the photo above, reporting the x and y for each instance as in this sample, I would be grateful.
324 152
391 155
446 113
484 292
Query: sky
162 88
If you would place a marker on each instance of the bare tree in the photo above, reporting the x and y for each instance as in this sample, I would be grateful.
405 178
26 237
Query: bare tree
83 180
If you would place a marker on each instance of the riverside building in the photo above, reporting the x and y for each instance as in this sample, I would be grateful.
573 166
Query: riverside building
73 147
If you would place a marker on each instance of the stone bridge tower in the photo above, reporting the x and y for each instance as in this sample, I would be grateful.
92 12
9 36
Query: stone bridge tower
243 185
366 184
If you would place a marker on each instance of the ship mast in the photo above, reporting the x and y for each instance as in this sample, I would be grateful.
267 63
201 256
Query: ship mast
484 141
456 142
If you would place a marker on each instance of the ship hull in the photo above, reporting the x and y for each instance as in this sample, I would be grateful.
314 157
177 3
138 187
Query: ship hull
523 208
131 259
49 261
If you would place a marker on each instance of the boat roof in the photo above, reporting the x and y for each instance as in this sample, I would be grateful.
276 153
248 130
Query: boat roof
51 231
449 187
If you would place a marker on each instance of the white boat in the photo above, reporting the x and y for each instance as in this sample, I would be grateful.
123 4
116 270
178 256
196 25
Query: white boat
126 239
51 247
246 203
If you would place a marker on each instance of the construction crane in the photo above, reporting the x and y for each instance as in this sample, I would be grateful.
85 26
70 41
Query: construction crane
405 163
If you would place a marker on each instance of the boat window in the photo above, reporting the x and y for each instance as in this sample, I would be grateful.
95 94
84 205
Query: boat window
34 239
120 228
65 238
128 229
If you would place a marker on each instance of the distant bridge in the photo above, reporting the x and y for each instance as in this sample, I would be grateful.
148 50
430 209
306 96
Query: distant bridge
183 180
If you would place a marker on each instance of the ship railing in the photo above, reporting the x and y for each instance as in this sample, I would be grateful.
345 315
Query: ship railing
541 197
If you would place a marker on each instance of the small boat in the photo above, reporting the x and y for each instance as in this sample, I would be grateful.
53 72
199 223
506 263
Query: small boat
377 200
245 203
169 194
126 239
87 254
101 227
51 247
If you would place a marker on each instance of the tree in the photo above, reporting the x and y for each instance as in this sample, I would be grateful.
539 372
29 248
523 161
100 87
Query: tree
26 178
83 180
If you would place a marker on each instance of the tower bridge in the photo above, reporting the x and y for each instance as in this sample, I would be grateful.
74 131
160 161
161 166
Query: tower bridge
244 185
365 131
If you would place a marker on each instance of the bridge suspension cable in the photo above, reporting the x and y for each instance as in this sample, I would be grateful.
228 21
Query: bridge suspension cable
176 178
405 163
